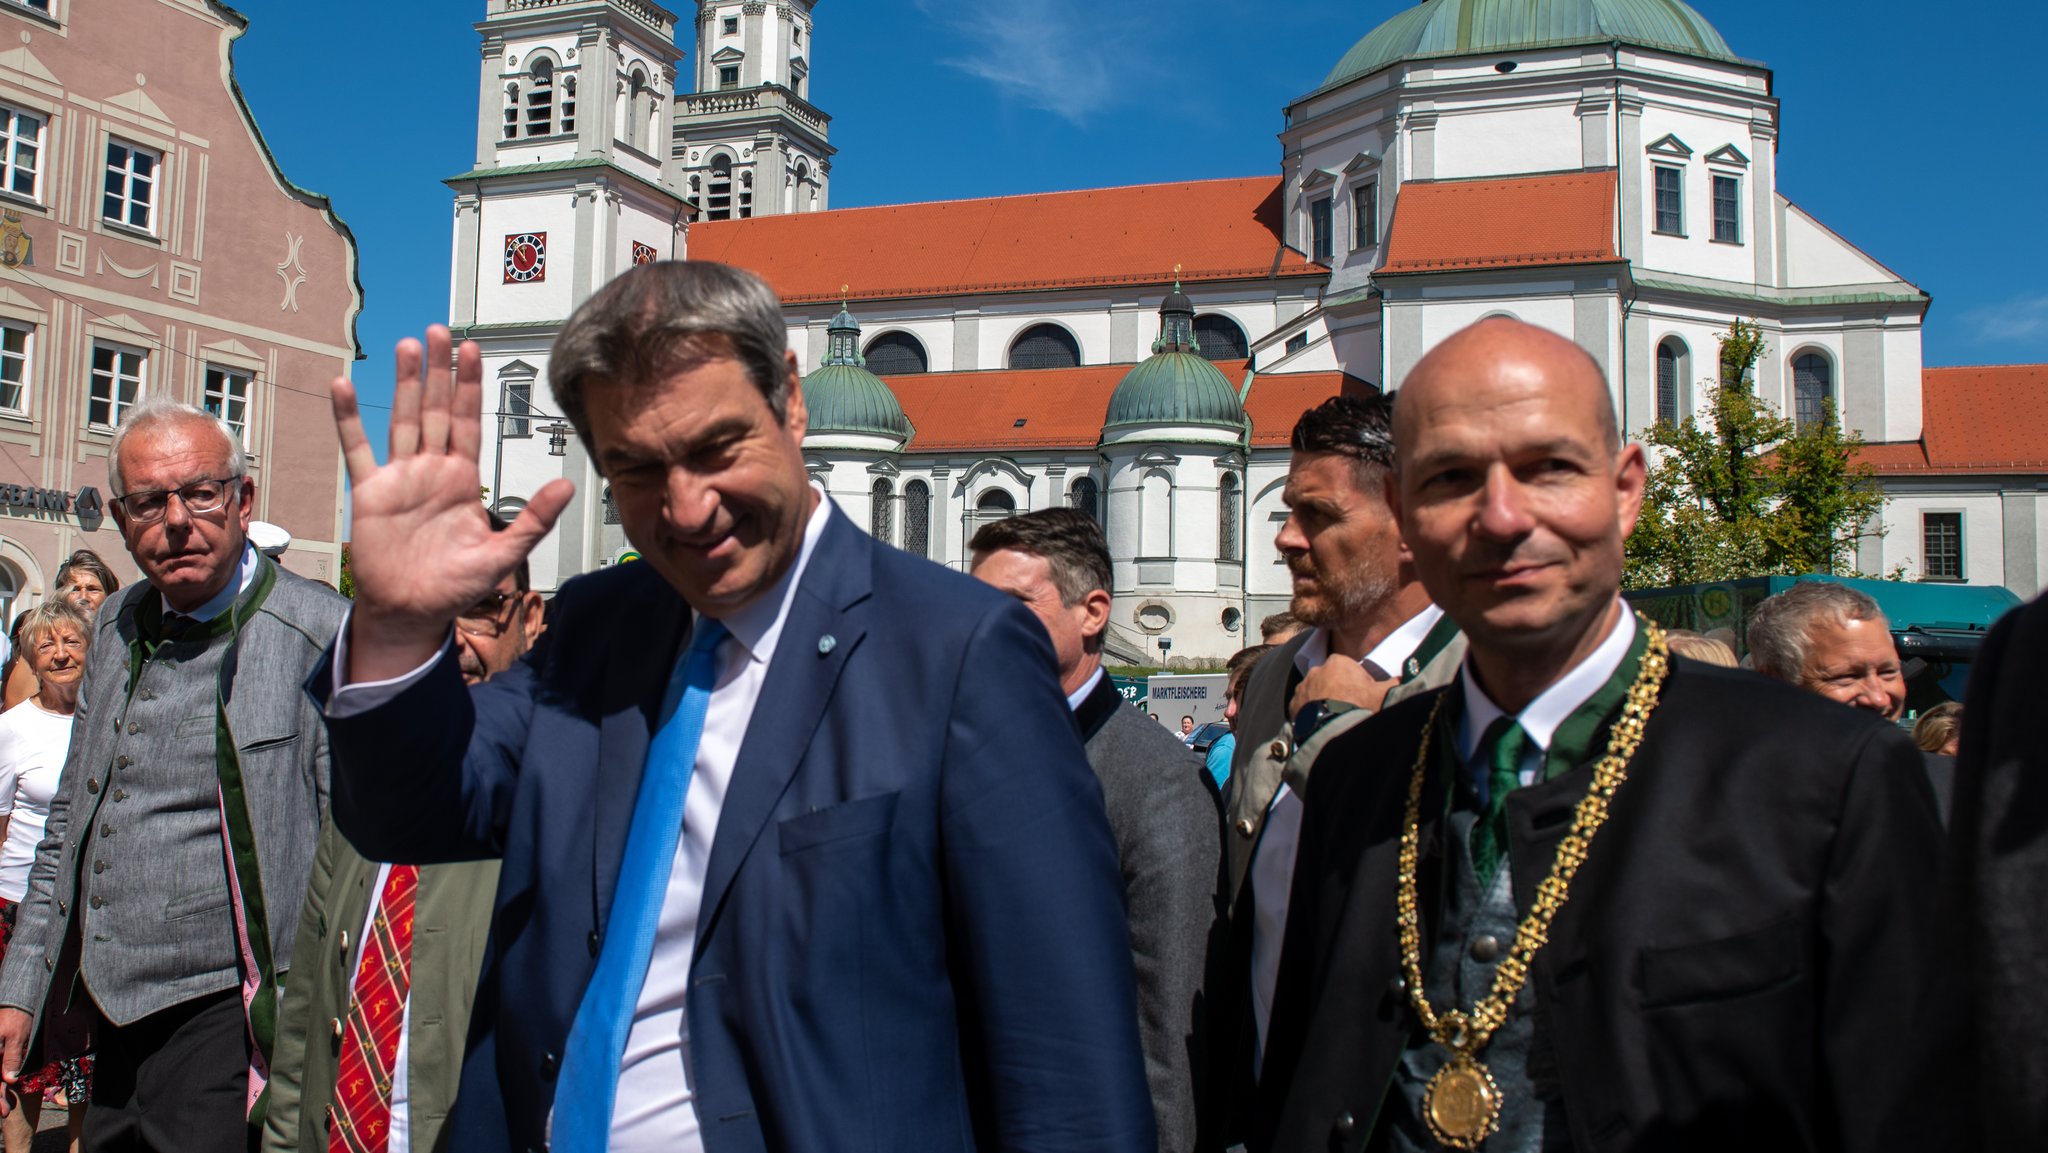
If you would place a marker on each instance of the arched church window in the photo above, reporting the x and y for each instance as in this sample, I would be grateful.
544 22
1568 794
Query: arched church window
636 98
540 98
896 354
1083 496
1670 358
996 504
511 111
10 588
917 518
1155 515
746 194
882 511
568 104
1045 346
718 196
1220 338
1229 518
1813 388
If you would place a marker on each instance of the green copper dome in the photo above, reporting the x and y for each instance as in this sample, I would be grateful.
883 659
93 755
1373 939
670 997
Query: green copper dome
1176 385
842 396
1485 27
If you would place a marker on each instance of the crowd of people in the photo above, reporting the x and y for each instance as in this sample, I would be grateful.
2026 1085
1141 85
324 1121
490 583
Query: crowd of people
786 840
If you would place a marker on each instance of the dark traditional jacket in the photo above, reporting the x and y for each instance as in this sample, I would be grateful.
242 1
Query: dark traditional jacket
1746 960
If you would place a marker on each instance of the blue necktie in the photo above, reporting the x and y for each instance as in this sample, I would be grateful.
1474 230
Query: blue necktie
589 1085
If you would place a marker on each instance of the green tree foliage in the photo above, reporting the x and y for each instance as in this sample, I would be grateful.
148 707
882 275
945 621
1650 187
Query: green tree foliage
348 573
1745 493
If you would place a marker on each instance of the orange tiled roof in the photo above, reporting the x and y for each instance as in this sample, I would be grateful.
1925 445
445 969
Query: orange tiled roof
1278 400
1516 221
1210 230
1009 409
1976 419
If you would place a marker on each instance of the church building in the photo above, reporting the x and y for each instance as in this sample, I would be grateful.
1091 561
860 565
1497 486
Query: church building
1603 168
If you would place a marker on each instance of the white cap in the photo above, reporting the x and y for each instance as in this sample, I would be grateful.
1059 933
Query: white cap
269 539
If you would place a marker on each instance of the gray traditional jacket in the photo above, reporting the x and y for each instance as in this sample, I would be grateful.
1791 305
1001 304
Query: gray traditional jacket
133 858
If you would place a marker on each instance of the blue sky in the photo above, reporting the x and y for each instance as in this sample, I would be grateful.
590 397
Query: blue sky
1904 129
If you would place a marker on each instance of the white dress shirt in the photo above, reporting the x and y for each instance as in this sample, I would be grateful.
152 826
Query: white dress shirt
1272 867
1075 698
1541 717
656 1109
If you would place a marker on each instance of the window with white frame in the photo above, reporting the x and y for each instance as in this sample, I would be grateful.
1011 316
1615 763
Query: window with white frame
15 341
227 397
1670 200
1321 222
130 191
917 518
1728 208
511 111
118 376
1813 389
1670 362
568 104
21 151
1365 216
882 511
1941 546
516 409
1229 519
729 76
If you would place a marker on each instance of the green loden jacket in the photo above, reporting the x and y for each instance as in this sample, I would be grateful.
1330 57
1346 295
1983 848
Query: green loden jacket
451 923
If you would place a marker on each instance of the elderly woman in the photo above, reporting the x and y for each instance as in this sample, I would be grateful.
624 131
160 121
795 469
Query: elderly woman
84 580
34 738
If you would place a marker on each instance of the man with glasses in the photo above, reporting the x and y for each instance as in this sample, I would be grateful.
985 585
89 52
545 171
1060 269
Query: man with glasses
161 906
350 902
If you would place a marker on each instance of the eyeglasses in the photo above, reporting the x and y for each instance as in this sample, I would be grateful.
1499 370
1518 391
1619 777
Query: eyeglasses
483 619
201 496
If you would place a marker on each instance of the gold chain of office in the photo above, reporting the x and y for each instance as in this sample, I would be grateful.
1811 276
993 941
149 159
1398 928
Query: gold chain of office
1461 1104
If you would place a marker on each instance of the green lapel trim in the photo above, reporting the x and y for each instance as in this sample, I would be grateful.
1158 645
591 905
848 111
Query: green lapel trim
227 763
1582 733
1433 644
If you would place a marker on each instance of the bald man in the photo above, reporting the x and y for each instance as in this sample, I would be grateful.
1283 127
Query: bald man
1743 957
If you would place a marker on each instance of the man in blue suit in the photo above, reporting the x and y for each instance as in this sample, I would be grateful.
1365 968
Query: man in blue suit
800 848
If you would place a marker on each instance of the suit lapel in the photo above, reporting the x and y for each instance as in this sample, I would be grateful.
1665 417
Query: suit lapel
639 660
802 674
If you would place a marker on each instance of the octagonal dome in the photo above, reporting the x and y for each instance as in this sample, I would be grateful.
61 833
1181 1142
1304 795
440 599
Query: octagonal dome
1436 28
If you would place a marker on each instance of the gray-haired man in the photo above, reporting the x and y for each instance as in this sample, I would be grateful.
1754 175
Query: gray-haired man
194 746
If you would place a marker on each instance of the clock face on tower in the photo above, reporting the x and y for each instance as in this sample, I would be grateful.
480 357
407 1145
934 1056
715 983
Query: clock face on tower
526 257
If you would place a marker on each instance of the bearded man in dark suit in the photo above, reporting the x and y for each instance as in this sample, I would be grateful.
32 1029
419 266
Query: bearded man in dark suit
1589 896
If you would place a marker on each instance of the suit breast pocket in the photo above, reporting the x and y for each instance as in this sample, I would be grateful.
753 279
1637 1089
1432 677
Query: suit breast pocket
834 824
1747 963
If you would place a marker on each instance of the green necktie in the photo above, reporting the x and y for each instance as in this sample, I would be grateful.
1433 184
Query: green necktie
1505 742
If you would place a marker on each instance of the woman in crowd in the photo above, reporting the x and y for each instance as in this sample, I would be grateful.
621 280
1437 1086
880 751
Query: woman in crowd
33 742
84 580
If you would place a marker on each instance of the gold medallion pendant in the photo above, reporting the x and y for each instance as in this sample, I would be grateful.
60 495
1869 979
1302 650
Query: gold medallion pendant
1461 1104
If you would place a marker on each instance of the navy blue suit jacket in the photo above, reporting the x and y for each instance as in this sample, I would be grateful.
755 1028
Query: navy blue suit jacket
912 934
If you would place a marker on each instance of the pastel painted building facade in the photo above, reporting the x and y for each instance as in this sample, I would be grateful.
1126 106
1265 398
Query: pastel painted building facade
151 246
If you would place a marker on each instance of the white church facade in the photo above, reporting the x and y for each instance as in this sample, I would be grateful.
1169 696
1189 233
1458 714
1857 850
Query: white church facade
1603 168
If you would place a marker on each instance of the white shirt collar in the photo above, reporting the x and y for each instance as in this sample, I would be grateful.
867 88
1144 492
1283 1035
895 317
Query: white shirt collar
759 625
1386 658
1075 698
226 596
1542 716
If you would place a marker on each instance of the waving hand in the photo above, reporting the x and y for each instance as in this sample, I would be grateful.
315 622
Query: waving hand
423 549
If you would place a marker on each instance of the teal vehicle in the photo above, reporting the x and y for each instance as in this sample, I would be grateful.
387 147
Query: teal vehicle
1937 628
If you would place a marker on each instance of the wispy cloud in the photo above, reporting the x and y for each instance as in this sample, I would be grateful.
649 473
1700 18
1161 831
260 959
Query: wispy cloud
2021 318
1071 58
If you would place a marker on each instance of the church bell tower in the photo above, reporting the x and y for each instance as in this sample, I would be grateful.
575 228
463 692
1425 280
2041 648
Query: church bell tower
749 141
